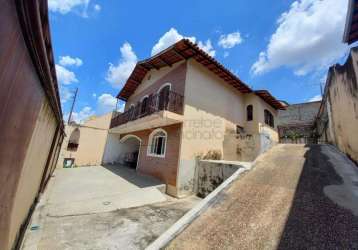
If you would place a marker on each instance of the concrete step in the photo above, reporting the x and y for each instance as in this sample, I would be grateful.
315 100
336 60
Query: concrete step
161 187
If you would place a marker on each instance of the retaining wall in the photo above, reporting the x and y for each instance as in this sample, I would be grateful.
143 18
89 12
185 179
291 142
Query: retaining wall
210 174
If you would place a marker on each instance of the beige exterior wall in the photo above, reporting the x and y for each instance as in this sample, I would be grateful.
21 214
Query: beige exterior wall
93 136
34 166
212 111
343 106
212 108
259 105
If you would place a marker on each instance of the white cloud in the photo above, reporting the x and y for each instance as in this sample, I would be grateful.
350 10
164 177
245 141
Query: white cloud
97 7
229 41
64 75
226 54
80 117
106 103
207 47
65 94
168 39
308 37
70 61
172 36
65 6
94 95
118 74
315 98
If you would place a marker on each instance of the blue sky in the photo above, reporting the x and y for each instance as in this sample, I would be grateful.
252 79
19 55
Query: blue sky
283 46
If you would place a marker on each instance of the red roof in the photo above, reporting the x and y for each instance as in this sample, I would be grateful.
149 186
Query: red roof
267 97
183 50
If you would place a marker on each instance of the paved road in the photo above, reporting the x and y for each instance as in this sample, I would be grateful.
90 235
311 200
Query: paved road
296 197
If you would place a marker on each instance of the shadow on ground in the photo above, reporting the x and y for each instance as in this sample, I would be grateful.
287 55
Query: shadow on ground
132 176
314 220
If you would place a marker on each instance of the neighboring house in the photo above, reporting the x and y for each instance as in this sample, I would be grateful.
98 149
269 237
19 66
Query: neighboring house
350 34
30 113
182 104
295 124
84 143
337 120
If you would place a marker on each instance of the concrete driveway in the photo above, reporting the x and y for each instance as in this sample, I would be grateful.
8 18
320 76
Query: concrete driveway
99 207
101 189
296 197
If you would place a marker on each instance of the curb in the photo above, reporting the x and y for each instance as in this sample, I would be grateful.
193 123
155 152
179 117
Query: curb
185 221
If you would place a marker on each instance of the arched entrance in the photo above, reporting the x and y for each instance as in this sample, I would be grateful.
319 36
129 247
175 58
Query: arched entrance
74 140
163 94
130 146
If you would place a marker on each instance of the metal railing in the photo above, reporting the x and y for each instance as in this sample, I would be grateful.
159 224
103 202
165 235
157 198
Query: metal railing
171 101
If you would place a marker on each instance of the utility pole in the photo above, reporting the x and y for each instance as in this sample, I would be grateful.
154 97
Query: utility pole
72 106
116 105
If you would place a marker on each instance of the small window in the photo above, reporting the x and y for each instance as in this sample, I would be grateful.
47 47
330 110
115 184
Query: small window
157 144
269 120
249 113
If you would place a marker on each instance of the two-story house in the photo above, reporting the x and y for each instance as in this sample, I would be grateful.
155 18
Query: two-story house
182 104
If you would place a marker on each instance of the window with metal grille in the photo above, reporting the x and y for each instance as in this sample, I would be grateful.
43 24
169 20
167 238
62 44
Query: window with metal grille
158 140
269 120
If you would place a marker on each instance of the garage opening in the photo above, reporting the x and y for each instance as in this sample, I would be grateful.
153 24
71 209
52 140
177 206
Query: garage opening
130 146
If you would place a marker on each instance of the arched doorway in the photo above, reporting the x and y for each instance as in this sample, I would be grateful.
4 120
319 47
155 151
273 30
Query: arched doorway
74 140
163 94
130 146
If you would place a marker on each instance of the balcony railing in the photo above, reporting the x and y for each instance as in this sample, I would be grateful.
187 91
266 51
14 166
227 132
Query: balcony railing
171 101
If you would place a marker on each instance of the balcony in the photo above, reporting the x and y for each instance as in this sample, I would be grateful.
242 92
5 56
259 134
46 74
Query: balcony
154 111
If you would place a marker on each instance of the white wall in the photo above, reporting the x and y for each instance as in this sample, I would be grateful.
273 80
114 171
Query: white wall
112 149
115 148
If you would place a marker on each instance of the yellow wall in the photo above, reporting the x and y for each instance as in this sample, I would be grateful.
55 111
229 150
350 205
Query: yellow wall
93 136
34 166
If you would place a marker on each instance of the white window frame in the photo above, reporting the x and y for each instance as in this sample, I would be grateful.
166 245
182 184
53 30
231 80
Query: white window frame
164 85
146 96
151 139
